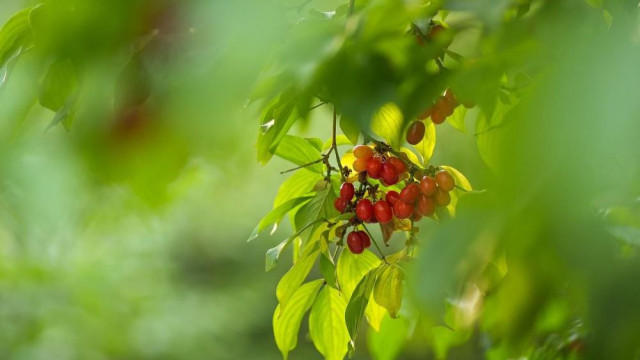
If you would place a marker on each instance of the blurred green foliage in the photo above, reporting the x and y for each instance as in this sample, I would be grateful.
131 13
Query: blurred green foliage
130 182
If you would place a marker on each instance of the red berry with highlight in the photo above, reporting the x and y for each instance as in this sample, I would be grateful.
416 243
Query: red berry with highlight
364 209
402 210
410 193
366 240
392 197
340 204
374 167
445 181
389 174
415 132
347 191
355 243
428 185
442 197
382 211
426 205
398 164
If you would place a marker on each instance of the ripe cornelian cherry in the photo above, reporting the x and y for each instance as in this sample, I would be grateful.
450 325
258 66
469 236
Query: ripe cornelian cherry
392 197
360 165
402 210
410 193
398 164
362 152
415 132
366 241
389 174
382 211
340 204
437 116
347 191
451 97
374 167
444 106
445 180
425 206
416 217
428 185
442 197
355 243
364 209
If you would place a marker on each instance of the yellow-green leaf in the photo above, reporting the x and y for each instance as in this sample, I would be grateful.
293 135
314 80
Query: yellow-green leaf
287 324
388 123
326 324
291 281
388 289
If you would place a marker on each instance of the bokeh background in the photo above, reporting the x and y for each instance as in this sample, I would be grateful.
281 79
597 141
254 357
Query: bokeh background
123 229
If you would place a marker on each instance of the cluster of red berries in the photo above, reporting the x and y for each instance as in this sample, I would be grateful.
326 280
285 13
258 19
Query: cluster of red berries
372 205
439 111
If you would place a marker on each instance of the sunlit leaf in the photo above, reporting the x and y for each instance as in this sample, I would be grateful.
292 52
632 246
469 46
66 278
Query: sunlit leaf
358 302
388 123
15 33
326 324
457 118
291 281
287 324
300 151
277 214
296 185
351 268
388 289
328 270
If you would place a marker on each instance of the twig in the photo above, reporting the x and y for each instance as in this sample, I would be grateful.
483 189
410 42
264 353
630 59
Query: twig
334 144
384 258
303 165
317 106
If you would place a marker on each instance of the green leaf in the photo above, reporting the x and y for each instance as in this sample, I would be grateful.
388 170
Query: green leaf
291 281
58 85
328 270
15 34
358 302
459 178
300 152
351 268
297 185
428 143
388 342
340 140
277 119
287 324
350 129
444 338
316 143
273 254
457 118
388 289
275 215
326 324
388 123
320 207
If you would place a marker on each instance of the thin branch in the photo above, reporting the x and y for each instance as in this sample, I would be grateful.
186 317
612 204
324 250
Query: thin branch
384 258
303 166
334 144
317 106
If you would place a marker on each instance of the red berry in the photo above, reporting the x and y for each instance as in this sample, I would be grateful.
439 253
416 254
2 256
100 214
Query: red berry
416 217
389 174
442 197
366 241
438 117
428 185
402 210
445 181
451 97
347 191
425 206
415 132
355 243
374 167
398 164
364 209
382 211
410 193
444 106
362 152
392 197
340 204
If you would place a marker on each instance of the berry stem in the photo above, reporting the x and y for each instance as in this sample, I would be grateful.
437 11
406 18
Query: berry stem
375 243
